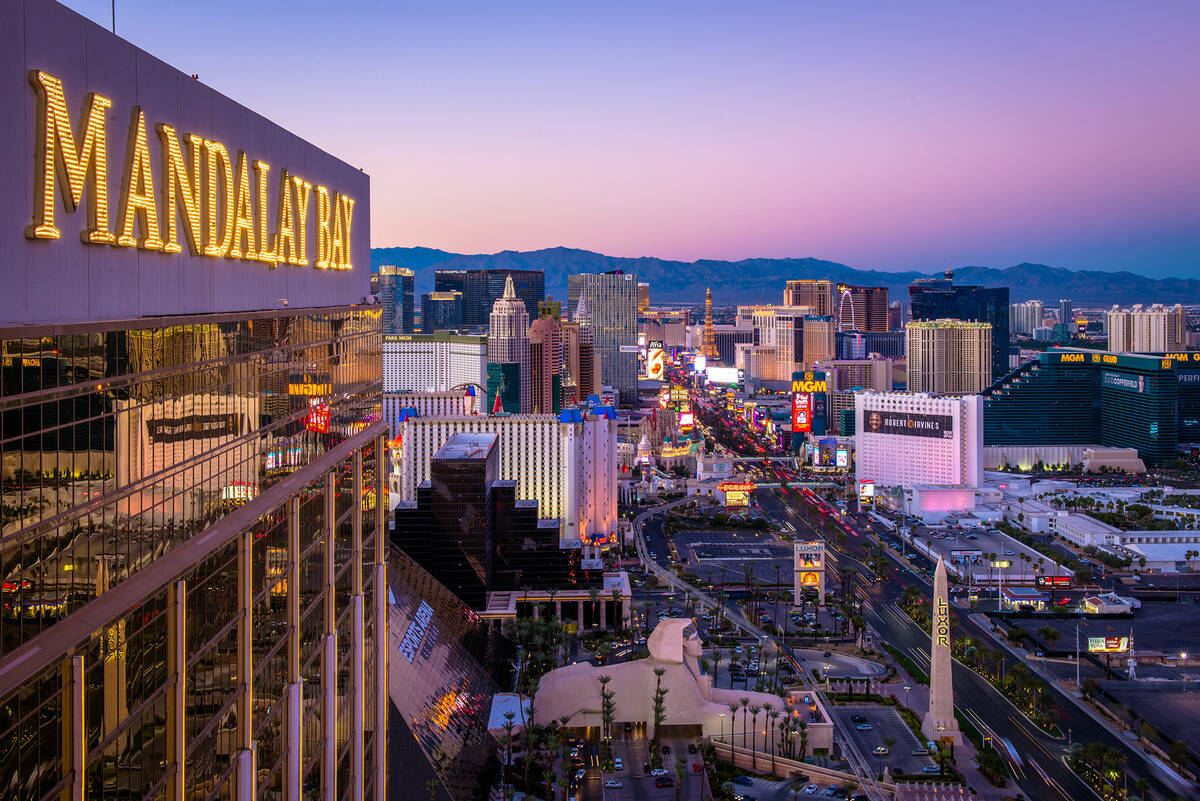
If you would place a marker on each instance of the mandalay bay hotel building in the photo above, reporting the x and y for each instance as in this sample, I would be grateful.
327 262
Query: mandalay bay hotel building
192 553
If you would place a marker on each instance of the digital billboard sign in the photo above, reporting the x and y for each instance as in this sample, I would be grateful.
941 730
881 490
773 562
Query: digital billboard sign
908 424
721 375
737 493
1053 581
1129 383
801 412
843 456
1108 645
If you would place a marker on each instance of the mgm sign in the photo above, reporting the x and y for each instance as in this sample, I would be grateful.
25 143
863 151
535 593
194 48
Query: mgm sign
809 570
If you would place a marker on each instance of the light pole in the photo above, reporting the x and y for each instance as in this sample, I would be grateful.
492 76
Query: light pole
906 689
721 715
1000 566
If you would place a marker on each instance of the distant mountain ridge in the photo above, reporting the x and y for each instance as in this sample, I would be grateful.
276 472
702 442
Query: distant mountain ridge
762 280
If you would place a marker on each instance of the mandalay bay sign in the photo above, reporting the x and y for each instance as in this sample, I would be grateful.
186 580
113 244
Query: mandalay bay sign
213 201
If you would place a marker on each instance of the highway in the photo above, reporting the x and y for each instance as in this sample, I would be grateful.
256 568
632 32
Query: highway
1043 774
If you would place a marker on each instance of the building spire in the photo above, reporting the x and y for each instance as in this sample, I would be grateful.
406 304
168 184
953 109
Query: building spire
708 345
509 290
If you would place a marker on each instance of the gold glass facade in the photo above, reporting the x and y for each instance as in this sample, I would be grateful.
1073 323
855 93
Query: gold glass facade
192 556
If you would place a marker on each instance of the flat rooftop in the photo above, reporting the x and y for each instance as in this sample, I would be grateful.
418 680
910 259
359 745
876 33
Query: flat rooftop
467 446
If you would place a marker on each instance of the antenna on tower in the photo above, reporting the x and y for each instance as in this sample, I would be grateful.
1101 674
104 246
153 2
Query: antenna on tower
949 273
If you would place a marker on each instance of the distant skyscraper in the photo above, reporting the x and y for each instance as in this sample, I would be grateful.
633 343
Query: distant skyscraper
580 359
1027 317
895 316
1153 329
1066 313
708 348
545 366
396 299
820 296
508 337
643 296
862 308
612 300
433 362
482 288
441 311
949 357
939 298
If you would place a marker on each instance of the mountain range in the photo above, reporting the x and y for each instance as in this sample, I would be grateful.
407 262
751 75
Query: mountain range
762 280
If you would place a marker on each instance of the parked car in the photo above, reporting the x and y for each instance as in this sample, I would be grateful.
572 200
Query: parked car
863 727
881 751
613 784
858 718
664 781
931 769
666 749
618 764
745 781
659 772
691 748
811 789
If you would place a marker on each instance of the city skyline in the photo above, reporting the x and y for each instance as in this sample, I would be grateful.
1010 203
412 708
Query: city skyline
888 139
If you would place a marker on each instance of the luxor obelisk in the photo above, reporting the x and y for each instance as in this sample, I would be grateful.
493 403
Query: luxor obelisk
939 722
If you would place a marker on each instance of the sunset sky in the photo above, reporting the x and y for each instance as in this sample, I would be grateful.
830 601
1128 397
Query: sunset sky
884 135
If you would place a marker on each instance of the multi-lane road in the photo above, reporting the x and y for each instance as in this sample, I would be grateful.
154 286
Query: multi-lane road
1041 772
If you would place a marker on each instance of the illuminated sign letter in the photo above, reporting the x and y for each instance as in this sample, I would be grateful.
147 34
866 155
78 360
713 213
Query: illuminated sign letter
189 190
243 214
337 250
285 227
57 157
139 189
266 248
217 157
303 195
347 215
323 245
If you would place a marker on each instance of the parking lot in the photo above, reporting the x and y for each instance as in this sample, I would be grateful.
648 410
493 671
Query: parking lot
707 552
884 721
956 547
633 749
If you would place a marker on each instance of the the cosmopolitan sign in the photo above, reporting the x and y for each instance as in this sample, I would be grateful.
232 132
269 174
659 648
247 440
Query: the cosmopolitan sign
198 192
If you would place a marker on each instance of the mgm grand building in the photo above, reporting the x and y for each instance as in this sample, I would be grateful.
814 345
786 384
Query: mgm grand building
192 554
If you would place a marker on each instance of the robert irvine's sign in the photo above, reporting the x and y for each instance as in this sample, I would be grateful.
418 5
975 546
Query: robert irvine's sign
129 189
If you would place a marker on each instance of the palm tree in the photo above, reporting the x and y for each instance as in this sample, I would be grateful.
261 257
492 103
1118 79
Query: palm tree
1049 635
889 742
660 707
733 708
616 601
431 787
745 702
803 726
716 658
754 710
594 597
607 707
773 714
680 774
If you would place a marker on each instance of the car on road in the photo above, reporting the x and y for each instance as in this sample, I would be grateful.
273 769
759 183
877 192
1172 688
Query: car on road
646 767
618 764
691 748
664 781
613 784
858 718
659 772
811 789
863 727
697 767
744 781
579 774
881 751
931 769
666 749
920 752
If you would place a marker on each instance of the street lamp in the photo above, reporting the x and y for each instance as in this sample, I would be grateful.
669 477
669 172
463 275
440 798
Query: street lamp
906 689
1000 565
721 715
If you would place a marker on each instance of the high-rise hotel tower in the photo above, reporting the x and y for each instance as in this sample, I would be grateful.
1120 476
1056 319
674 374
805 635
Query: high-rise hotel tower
192 546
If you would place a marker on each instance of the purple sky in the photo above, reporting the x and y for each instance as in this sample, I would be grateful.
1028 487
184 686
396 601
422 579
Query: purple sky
886 135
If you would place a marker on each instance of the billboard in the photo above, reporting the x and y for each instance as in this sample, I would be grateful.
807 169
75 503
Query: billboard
866 491
801 412
737 493
1129 383
1053 581
722 375
147 193
686 421
1108 645
843 456
908 424
655 362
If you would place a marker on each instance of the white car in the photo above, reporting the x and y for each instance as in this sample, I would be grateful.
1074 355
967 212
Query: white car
811 789
613 784
881 751
659 772
618 764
